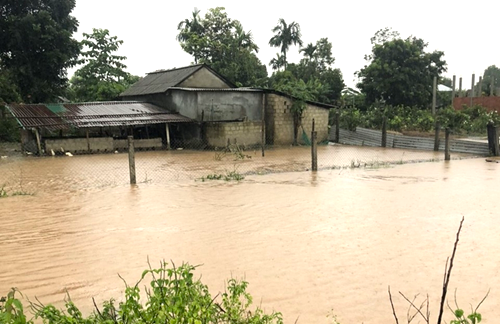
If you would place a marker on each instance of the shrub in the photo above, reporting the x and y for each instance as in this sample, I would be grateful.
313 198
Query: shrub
174 295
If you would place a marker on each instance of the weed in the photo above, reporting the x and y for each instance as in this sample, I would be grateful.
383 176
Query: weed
3 192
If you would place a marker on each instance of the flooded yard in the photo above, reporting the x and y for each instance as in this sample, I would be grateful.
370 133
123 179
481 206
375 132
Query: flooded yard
308 243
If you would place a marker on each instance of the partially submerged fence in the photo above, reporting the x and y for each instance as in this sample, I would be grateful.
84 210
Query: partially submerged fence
371 137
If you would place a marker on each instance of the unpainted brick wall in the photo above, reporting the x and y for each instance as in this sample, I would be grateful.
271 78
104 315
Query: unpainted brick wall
279 121
490 103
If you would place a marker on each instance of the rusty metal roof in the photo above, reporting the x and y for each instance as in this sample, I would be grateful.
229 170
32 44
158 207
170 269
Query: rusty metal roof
92 114
161 81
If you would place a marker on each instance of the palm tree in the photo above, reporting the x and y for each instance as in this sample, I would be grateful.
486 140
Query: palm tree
278 62
244 40
286 35
309 51
188 27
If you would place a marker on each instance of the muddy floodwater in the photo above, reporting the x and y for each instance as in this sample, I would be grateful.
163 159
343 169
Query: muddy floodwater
308 243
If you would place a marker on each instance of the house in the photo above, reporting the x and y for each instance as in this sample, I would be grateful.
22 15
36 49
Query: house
227 113
189 107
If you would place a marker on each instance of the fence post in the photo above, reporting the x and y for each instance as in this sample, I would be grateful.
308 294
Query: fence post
38 141
493 140
88 140
314 148
131 159
471 93
437 127
384 132
263 126
454 84
337 126
447 145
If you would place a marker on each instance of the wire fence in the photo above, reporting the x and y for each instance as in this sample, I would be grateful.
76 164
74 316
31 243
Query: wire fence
156 162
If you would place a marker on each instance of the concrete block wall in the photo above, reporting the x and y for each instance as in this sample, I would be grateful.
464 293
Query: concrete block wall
320 116
243 133
122 144
279 121
79 145
279 117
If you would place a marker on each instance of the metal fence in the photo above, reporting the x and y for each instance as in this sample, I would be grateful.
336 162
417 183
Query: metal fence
139 161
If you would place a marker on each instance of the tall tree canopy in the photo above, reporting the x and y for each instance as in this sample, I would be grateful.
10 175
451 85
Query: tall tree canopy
400 71
317 66
285 36
103 77
222 43
491 73
36 46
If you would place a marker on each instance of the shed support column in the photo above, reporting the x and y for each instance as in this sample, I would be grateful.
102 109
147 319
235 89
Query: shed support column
38 141
88 140
167 132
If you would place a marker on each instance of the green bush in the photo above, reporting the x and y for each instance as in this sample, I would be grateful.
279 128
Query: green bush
174 295
9 130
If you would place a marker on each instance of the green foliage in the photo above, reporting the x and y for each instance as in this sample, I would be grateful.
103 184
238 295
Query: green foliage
222 43
173 295
103 76
492 73
9 130
316 66
400 72
285 36
350 119
11 309
452 119
36 46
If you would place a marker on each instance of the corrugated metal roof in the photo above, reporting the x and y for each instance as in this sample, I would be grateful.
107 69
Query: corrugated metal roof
93 114
161 81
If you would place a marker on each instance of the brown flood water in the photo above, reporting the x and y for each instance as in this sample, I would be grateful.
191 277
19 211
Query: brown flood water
307 243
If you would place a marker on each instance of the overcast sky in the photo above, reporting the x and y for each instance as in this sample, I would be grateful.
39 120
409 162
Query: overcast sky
467 32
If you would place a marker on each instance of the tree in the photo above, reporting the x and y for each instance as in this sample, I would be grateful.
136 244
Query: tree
36 46
103 76
491 73
317 64
277 62
222 43
285 36
400 72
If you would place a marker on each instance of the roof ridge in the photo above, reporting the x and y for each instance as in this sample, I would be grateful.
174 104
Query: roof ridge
175 69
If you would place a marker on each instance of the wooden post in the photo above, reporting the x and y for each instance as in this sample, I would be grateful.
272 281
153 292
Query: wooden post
167 132
493 142
131 159
384 132
436 135
263 129
314 148
471 93
480 87
434 86
453 86
447 145
88 140
460 94
38 141
337 126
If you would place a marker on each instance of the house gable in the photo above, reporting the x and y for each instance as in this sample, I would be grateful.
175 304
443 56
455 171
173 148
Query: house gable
205 78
